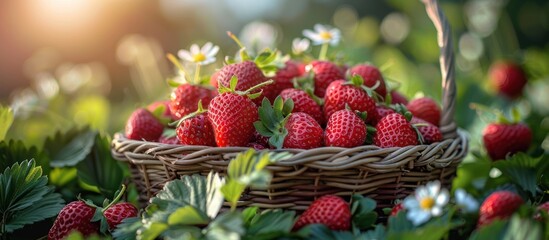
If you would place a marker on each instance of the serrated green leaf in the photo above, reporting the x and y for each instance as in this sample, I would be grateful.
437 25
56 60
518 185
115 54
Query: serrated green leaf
232 191
495 230
6 119
271 221
187 215
152 231
127 230
261 129
377 233
316 231
13 151
99 168
521 169
227 226
25 197
182 233
69 148
249 213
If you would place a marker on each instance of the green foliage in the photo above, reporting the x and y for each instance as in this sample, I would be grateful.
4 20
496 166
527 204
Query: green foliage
13 151
25 197
524 171
99 168
272 120
6 119
363 211
69 148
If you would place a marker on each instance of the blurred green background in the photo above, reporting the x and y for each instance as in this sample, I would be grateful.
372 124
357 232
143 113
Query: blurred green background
66 63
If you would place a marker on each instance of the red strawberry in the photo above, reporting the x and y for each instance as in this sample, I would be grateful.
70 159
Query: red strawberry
168 140
345 129
371 76
196 130
430 132
340 93
143 125
248 75
303 132
118 212
543 207
303 103
394 131
167 113
329 210
185 99
397 208
232 117
501 139
397 98
499 205
76 216
284 76
508 78
382 111
324 73
213 79
426 109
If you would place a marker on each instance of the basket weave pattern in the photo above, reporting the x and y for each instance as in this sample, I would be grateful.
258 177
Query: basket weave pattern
384 174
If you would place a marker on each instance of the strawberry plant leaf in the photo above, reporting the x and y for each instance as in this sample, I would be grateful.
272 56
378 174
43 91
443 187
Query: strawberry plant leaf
69 148
363 213
495 230
522 170
523 228
227 226
153 230
377 233
6 119
99 168
269 222
316 231
13 151
127 230
187 215
25 197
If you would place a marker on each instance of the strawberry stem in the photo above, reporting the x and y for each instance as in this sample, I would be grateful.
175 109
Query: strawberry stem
176 62
116 199
258 86
197 74
323 51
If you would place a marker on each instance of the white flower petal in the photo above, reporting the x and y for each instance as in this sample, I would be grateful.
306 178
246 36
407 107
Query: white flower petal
185 55
312 35
443 197
418 217
422 192
195 49
212 52
320 28
410 203
433 188
206 48
436 211
208 61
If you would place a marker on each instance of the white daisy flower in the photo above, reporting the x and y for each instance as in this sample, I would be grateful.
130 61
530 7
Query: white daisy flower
300 45
426 202
323 35
465 201
200 56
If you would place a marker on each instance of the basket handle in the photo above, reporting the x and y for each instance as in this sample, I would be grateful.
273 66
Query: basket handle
444 33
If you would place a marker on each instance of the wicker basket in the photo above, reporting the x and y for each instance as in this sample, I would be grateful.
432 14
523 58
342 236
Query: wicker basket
384 174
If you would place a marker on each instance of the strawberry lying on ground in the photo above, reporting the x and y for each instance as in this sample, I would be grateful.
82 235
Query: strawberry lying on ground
499 205
501 139
232 114
303 102
196 129
345 129
508 78
371 76
324 73
286 129
329 210
88 219
143 125
351 93
425 108
394 130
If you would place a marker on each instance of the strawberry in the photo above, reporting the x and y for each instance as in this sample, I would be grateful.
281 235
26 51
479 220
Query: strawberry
303 132
508 78
345 129
501 139
397 208
143 125
232 115
284 76
184 99
428 131
329 210
168 140
394 130
303 102
213 79
499 205
324 73
426 109
75 216
382 111
398 98
286 129
371 76
196 129
256 146
542 208
166 104
248 75
118 212
353 94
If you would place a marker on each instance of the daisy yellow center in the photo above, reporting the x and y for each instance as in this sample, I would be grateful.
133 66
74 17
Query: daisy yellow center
427 203
325 35
199 57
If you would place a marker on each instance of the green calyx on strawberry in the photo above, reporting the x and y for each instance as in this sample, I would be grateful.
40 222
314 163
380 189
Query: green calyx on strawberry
232 88
87 218
268 61
357 81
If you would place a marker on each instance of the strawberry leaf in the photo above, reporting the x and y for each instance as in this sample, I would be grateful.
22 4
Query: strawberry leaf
269 222
13 151
127 229
523 170
227 226
187 215
6 119
69 148
25 197
363 213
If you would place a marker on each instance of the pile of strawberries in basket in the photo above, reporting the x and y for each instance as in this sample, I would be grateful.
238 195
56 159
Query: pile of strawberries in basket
293 101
